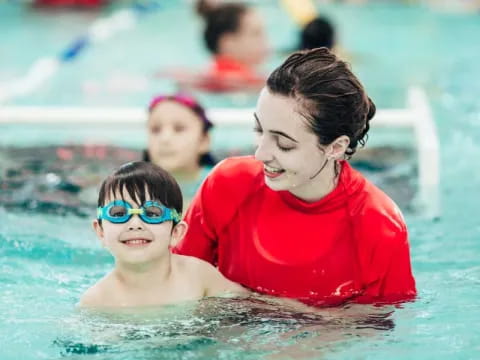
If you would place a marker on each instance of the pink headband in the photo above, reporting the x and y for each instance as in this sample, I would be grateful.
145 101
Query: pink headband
185 100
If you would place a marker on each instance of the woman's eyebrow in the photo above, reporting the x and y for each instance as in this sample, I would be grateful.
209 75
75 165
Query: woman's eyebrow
275 132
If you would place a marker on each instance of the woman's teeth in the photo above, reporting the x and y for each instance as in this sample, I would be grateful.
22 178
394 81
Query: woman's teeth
273 170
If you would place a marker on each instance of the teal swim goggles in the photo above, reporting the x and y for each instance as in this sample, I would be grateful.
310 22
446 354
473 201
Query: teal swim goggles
152 212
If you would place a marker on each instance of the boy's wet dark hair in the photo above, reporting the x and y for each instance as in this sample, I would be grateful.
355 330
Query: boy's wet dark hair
220 20
140 178
329 95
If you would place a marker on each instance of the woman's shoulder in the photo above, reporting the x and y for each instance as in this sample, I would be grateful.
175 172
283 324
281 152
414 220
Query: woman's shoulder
378 223
369 204
230 183
381 207
240 164
236 170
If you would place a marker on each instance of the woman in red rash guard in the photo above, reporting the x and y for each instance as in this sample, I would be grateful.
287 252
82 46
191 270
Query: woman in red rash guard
297 220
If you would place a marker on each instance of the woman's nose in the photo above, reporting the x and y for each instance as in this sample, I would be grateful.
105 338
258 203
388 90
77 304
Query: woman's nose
262 153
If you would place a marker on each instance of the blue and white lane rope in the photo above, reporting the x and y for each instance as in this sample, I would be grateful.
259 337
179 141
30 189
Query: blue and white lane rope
100 30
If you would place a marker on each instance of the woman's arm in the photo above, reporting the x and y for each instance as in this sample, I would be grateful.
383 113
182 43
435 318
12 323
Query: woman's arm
215 205
201 240
384 254
392 280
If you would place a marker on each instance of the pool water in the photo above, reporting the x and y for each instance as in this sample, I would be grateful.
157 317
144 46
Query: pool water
47 260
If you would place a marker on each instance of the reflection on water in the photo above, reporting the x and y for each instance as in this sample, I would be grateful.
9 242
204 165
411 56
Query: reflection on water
255 327
59 180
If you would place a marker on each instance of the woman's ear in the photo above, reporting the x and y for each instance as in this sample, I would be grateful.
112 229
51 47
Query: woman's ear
338 147
178 233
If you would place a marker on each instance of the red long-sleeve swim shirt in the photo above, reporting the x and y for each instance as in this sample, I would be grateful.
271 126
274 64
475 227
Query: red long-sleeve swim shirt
352 245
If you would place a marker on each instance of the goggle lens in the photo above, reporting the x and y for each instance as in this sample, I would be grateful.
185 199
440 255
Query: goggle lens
117 211
153 212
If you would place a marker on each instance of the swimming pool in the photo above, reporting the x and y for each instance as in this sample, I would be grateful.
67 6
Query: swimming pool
47 260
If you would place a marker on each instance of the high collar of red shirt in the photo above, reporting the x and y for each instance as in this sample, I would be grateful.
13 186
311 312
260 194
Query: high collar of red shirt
225 64
349 182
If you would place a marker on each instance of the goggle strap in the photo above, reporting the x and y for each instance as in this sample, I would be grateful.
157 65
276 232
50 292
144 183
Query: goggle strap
175 215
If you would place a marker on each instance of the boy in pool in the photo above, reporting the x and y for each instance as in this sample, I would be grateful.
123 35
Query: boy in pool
138 215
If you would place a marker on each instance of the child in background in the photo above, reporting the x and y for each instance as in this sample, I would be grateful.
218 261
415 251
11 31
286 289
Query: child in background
139 209
235 36
321 32
317 33
179 141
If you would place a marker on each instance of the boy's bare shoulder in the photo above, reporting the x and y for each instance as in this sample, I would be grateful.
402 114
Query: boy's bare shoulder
95 295
208 275
192 263
197 269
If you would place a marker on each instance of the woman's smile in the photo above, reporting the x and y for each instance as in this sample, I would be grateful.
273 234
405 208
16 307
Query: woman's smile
272 172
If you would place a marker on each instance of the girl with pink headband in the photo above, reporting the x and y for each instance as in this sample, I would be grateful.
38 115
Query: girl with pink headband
179 140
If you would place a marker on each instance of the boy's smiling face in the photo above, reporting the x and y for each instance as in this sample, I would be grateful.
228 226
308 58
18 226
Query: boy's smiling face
136 242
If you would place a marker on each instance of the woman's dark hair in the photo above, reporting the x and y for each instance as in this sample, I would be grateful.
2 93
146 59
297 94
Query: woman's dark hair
139 178
220 20
331 98
317 33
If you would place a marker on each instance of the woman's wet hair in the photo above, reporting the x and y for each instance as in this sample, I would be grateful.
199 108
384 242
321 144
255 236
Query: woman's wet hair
138 179
330 97
219 20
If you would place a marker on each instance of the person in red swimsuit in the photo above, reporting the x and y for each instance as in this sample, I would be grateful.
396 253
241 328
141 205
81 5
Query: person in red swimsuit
234 34
296 220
